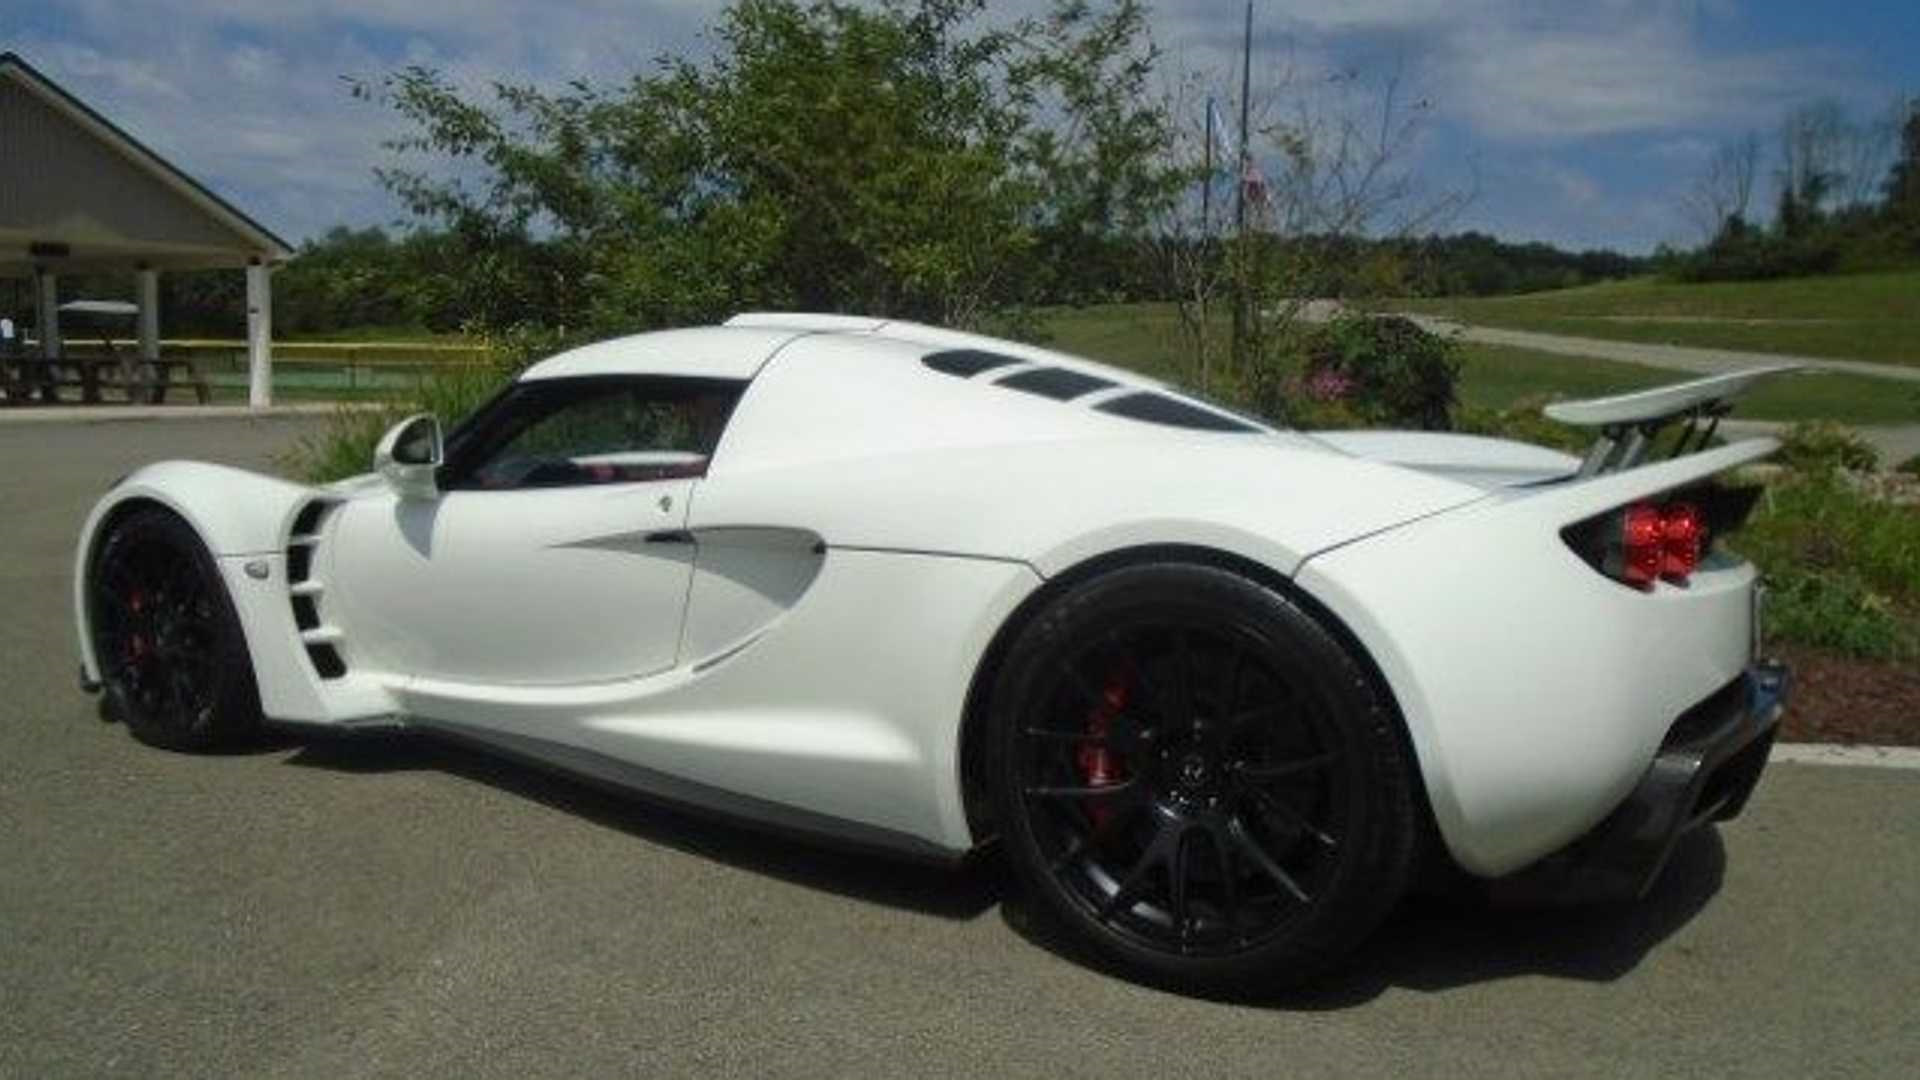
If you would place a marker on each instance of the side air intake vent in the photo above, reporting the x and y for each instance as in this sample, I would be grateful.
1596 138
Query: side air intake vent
326 661
306 592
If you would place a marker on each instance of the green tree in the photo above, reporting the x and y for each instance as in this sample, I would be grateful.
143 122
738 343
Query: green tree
912 159
1902 187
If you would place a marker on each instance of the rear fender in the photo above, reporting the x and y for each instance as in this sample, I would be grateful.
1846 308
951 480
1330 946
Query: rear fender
1536 690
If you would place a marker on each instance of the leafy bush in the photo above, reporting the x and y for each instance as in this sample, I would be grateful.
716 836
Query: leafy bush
1823 446
1359 371
1836 609
1523 421
1753 255
345 446
1844 566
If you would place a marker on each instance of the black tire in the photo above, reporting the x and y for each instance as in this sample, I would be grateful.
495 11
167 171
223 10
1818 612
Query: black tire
1193 776
172 658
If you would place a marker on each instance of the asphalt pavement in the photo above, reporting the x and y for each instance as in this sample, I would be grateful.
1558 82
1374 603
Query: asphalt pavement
403 908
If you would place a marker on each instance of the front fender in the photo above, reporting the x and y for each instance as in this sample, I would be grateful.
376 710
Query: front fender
234 512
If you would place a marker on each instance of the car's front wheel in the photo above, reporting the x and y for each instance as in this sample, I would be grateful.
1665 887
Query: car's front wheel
172 657
1192 774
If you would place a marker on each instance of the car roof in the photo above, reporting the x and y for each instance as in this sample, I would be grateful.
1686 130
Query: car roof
742 346
745 343
931 339
710 352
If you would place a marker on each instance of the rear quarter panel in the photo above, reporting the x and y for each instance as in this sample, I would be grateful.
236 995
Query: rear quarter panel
1535 690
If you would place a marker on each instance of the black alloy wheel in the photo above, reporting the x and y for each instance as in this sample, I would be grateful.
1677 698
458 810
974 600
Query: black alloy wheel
1194 775
172 658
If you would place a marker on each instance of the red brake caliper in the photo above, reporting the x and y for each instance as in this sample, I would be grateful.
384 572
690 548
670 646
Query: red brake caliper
136 643
1100 766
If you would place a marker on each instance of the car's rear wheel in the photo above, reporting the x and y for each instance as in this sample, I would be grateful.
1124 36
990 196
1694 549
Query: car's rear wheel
1193 775
172 657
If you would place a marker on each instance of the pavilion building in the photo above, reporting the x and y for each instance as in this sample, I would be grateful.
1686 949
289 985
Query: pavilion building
78 194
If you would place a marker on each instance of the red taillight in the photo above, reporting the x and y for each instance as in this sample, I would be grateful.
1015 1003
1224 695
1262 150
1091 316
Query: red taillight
1659 542
1662 538
1641 554
1681 534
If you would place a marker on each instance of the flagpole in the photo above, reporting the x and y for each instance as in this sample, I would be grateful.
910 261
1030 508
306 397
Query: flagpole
1240 200
1246 90
1206 178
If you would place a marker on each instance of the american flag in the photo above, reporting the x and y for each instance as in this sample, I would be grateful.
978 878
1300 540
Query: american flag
1253 181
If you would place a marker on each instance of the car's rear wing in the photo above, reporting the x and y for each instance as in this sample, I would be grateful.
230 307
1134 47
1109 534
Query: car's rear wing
1629 423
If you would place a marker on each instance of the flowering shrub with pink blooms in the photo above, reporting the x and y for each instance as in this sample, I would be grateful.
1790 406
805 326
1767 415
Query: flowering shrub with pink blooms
1327 385
1362 371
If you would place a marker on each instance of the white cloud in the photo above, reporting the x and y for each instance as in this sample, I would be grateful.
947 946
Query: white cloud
130 77
1649 76
1684 150
250 97
1575 188
1527 69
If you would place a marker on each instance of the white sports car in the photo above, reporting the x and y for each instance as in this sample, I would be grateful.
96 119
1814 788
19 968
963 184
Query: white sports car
1218 689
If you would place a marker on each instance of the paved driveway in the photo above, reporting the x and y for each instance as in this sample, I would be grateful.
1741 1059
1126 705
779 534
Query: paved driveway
405 909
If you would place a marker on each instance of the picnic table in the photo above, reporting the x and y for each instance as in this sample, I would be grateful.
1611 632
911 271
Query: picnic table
26 378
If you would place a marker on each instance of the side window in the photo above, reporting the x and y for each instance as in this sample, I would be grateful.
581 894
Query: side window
566 432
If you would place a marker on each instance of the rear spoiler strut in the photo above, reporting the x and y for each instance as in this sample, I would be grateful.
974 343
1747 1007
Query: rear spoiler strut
1629 423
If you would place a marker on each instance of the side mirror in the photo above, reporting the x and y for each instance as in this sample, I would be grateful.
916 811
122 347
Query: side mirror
408 456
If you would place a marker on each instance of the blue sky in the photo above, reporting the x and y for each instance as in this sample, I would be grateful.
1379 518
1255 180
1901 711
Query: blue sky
1577 123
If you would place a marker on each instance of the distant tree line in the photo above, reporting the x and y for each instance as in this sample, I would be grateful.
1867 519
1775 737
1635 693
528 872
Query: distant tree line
1846 197
344 281
1475 264
360 281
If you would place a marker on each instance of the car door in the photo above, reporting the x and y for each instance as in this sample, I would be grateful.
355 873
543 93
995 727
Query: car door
556 551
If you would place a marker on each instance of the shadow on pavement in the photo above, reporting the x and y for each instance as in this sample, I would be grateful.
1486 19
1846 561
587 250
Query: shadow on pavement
1428 944
963 891
1433 944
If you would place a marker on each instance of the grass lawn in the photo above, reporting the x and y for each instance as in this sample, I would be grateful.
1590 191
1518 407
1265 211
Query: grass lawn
1140 337
236 394
1145 338
307 375
1495 376
1845 316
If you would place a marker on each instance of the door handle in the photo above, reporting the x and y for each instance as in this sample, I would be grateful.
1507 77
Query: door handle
670 536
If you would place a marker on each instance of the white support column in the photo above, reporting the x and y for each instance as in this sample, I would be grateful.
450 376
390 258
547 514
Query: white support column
259 336
147 295
49 313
